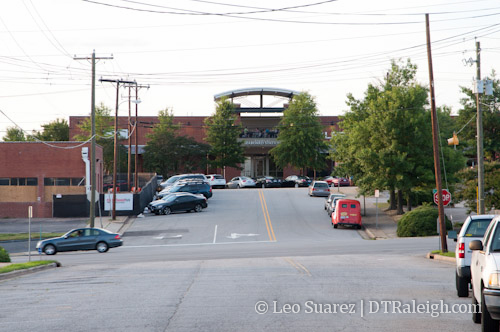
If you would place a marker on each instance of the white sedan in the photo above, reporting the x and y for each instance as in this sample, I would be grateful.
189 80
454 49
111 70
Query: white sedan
241 182
216 181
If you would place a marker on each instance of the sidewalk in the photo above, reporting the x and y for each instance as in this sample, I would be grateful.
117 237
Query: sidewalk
375 227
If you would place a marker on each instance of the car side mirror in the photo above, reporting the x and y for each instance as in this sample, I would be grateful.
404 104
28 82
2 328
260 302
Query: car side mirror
452 235
65 236
476 245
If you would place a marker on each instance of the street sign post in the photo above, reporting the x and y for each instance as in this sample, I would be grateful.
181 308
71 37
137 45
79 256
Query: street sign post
445 194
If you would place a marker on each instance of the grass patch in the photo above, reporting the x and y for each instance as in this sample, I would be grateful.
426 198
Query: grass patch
447 254
25 236
382 206
22 266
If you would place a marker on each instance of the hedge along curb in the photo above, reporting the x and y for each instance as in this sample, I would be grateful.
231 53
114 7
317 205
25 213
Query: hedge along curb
441 258
18 273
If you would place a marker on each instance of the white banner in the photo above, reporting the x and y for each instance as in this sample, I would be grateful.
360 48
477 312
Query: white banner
124 202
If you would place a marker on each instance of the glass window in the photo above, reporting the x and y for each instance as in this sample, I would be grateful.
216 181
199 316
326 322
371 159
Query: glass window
22 182
32 181
477 227
344 205
48 181
62 181
77 181
353 206
14 181
495 241
4 181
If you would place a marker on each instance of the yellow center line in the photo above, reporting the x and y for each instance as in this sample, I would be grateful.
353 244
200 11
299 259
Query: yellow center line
269 225
301 268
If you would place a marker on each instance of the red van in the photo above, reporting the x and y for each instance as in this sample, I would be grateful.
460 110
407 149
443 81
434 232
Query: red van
347 212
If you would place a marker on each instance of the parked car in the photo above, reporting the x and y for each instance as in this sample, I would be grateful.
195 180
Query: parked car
340 182
240 182
159 179
178 202
347 212
319 188
193 187
472 229
330 198
485 277
171 180
81 239
216 181
328 179
331 208
268 182
301 181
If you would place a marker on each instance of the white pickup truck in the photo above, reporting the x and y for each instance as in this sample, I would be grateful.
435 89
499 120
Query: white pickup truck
472 229
485 277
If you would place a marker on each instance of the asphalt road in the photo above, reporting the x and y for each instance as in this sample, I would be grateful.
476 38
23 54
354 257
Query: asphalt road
249 249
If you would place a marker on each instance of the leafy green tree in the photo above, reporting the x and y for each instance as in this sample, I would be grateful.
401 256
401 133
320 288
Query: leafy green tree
222 136
387 139
167 152
301 142
54 131
491 122
14 134
466 190
104 128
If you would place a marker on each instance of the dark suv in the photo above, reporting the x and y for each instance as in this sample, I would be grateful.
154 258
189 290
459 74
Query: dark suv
193 187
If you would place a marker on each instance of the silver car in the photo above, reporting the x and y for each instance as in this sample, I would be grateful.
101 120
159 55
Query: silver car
319 188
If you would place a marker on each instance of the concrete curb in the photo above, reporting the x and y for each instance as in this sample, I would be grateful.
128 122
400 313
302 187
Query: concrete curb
18 273
440 258
369 232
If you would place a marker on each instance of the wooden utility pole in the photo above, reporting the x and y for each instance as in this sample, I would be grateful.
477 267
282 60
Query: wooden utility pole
435 142
92 149
113 213
480 151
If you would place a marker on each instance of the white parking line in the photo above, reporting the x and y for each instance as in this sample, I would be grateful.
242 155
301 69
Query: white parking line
215 234
194 244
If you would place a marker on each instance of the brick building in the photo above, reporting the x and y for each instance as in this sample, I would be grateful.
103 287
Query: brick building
33 173
260 123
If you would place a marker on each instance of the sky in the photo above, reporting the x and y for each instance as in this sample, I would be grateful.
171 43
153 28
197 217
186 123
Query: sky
187 51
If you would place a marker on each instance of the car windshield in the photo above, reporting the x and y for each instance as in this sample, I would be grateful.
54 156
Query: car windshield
477 227
218 177
172 179
321 185
170 198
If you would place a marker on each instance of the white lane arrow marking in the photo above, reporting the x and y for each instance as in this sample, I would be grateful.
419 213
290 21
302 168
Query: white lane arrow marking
236 235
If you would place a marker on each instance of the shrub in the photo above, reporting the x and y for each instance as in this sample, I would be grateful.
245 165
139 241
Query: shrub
4 256
420 222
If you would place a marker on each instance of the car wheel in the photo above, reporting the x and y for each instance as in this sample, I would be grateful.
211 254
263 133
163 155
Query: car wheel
49 249
476 314
166 210
102 247
263 186
335 225
462 286
198 208
487 323
239 186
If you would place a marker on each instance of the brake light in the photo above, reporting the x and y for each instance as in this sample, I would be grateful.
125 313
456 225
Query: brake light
117 237
461 250
244 180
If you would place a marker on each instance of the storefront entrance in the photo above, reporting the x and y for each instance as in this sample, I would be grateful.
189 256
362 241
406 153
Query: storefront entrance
260 165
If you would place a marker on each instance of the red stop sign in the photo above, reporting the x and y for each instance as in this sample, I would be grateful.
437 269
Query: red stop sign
446 197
